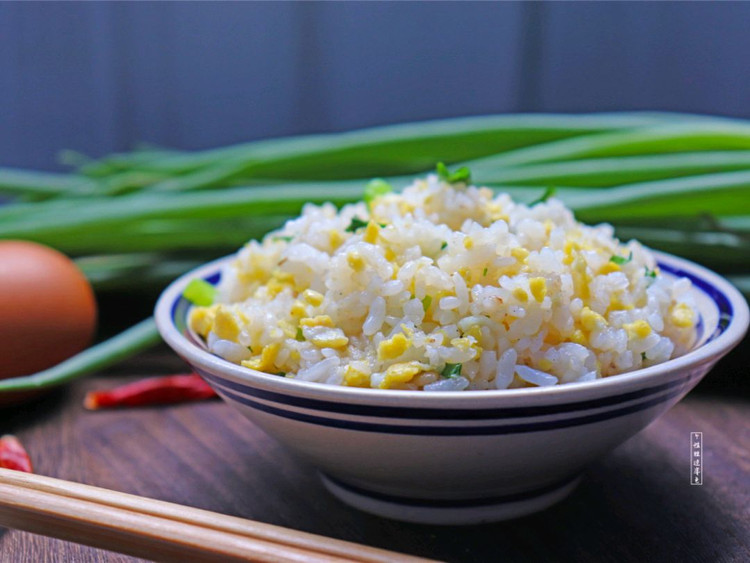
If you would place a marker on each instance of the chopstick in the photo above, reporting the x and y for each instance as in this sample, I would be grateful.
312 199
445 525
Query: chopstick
162 531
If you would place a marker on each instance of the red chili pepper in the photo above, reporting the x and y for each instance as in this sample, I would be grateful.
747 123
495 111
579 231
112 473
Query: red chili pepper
13 455
152 391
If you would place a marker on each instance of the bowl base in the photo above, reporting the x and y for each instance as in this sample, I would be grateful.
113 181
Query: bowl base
453 511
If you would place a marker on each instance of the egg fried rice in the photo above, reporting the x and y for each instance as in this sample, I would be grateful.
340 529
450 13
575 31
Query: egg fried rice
445 287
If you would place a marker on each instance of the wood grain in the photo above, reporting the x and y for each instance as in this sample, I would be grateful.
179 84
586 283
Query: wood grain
165 531
635 505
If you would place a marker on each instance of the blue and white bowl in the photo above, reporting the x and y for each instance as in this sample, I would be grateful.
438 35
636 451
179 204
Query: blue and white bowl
460 457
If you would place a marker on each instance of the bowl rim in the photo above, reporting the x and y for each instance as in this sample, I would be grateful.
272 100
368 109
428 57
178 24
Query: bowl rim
707 352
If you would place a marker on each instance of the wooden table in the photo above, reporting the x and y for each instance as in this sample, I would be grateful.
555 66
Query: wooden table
637 504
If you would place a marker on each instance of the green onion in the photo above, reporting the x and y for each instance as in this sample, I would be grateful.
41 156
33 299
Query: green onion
603 172
390 150
200 292
444 245
300 336
648 273
718 135
34 186
451 370
548 193
426 302
462 175
282 238
136 339
376 188
355 225
619 260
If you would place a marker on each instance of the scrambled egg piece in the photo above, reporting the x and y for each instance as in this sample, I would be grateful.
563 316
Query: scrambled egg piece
592 320
371 232
264 362
682 315
393 348
312 297
400 373
202 319
326 337
637 329
320 320
538 287
225 325
608 268
355 378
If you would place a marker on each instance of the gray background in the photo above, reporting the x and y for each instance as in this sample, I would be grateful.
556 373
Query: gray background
101 77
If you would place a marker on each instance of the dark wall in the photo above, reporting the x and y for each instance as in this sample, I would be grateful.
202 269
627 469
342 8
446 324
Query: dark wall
100 77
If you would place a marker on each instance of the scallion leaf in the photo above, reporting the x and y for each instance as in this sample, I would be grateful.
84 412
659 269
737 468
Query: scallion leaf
375 189
462 175
451 370
620 260
355 225
548 193
200 292
300 337
282 238
426 302
649 273
444 245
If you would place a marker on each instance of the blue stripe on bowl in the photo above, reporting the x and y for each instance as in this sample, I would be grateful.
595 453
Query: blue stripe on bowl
431 430
453 503
436 413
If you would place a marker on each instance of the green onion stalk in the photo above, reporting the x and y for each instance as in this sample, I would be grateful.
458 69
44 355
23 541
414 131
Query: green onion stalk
679 183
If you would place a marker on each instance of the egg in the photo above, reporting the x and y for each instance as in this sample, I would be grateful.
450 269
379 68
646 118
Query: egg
47 308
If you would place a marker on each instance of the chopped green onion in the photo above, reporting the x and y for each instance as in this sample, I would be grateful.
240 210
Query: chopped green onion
426 302
283 238
463 174
355 225
375 189
484 272
451 370
619 260
649 273
300 337
444 245
548 193
200 292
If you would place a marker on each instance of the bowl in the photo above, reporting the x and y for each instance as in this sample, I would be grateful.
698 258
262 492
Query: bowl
460 457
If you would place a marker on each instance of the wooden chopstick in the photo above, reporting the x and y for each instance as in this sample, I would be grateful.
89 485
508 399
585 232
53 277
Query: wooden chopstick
160 530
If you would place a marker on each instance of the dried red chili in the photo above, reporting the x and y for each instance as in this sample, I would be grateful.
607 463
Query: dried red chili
151 391
13 455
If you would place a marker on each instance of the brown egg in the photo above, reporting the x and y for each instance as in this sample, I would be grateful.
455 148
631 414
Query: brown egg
47 308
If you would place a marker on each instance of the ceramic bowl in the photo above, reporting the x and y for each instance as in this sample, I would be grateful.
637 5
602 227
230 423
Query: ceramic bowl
460 457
